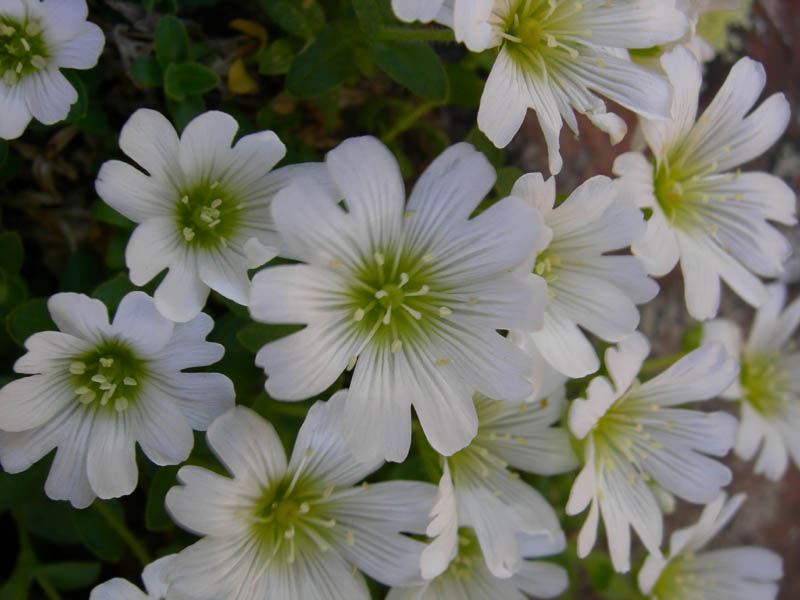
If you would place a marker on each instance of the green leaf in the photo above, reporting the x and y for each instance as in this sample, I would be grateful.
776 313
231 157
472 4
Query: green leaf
112 291
324 64
103 212
188 79
155 514
171 41
78 109
255 335
96 534
414 65
276 59
465 86
13 290
11 251
148 71
372 16
185 111
20 488
482 144
290 16
27 319
506 178
49 520
83 272
3 151
70 575
115 252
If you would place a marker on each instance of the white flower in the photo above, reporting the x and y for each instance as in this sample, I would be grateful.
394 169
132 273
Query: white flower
585 287
122 589
631 434
706 212
741 573
296 531
768 385
96 389
37 39
468 577
555 55
467 18
409 296
203 209
491 499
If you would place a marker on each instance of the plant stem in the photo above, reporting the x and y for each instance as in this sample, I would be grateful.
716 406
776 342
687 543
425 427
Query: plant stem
407 121
425 34
47 588
122 530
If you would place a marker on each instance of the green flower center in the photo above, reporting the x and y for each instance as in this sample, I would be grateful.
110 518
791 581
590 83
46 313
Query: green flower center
292 514
108 376
765 384
536 28
546 267
22 49
394 298
207 214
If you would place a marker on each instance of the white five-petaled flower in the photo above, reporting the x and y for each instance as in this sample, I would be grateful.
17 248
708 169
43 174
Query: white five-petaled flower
467 18
203 206
704 211
296 531
36 40
555 55
585 287
409 296
96 389
769 383
487 496
469 578
740 573
631 435
122 589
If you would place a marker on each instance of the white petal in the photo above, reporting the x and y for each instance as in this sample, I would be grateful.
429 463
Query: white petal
130 192
161 429
32 401
150 139
541 579
685 75
625 360
225 272
47 351
201 396
49 95
68 478
111 456
416 10
181 295
584 414
82 50
536 191
564 346
16 114
205 144
187 346
140 323
248 446
307 362
320 451
117 589
294 293
447 193
444 527
152 247
80 316
367 174
700 375
377 419
206 503
151 576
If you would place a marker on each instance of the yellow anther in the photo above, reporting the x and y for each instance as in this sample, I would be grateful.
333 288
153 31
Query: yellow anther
396 345
444 311
77 368
442 362
129 381
107 362
188 234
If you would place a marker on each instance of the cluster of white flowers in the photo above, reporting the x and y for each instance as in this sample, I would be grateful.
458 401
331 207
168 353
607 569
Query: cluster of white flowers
475 317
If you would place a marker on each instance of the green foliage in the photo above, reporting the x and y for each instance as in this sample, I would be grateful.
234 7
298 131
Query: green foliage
325 63
186 78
